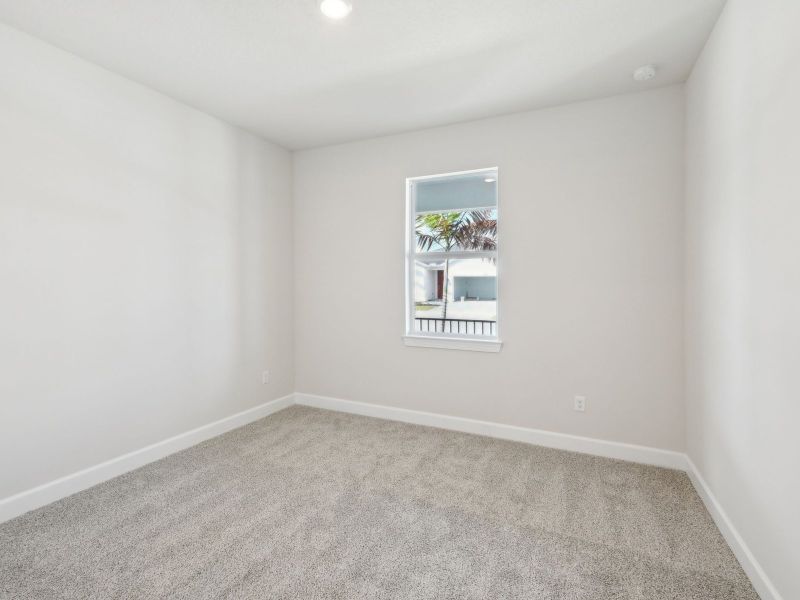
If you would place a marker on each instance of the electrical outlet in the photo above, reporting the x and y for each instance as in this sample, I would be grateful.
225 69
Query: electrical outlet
580 403
265 377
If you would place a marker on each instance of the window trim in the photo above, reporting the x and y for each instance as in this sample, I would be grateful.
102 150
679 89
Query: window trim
448 341
431 340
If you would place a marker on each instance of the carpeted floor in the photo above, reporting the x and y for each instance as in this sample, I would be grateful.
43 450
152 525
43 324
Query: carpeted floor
311 504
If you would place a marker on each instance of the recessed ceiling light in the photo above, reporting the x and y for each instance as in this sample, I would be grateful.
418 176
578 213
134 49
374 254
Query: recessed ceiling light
490 180
336 9
644 73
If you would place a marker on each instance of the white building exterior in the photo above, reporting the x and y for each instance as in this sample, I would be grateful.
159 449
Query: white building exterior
468 279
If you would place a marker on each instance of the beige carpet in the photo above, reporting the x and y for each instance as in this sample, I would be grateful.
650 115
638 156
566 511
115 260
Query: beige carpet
312 504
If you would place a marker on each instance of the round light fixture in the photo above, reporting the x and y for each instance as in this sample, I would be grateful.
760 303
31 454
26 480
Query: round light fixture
336 9
644 73
489 180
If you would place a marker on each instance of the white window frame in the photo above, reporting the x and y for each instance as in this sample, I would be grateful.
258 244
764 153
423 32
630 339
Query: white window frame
450 341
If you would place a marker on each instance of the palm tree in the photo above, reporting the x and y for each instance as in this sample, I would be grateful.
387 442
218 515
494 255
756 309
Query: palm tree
465 230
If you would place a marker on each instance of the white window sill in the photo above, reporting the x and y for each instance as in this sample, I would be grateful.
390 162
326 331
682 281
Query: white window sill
475 345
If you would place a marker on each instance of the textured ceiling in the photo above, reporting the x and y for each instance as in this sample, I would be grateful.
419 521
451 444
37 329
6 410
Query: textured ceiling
281 69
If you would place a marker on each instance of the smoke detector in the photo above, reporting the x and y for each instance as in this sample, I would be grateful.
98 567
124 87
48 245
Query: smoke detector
644 73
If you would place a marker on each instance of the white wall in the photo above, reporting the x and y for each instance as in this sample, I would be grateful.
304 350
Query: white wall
591 230
743 277
145 266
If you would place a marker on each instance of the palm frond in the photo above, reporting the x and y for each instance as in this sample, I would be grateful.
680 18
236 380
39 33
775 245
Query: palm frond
467 230
425 241
478 232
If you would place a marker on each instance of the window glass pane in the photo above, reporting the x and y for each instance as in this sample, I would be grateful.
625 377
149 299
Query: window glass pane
455 296
453 259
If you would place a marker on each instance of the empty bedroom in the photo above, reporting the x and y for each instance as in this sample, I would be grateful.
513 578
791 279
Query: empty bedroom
400 299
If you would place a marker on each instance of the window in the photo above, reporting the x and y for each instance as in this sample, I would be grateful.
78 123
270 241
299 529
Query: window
451 261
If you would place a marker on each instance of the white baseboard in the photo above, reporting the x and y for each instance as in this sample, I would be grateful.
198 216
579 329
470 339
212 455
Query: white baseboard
550 439
751 566
55 490
28 500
